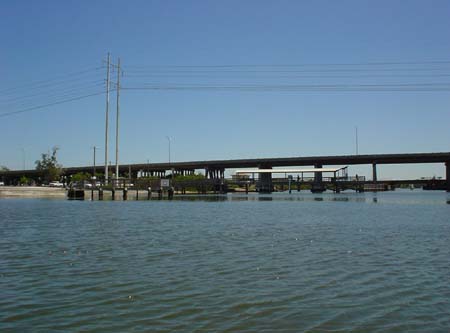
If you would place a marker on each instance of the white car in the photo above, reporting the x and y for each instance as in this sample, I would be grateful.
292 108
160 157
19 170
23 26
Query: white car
2 184
56 184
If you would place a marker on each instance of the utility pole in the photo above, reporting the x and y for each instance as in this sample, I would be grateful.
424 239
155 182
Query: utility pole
117 118
108 63
356 138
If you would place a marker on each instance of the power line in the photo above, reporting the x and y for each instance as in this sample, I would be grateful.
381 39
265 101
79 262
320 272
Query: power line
61 90
49 104
64 87
50 99
289 76
334 70
40 82
404 63
329 87
53 85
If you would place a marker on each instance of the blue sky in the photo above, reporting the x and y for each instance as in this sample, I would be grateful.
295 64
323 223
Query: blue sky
52 39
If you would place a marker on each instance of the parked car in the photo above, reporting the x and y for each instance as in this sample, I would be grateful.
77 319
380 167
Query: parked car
56 184
2 184
86 184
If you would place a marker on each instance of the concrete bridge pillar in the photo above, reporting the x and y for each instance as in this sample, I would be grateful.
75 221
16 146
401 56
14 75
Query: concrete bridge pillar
318 175
265 182
318 186
447 176
214 173
374 173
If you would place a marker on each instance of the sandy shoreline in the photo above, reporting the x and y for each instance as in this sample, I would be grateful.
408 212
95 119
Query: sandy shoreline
32 192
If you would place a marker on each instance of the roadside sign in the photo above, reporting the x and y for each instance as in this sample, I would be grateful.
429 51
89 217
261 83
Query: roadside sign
165 183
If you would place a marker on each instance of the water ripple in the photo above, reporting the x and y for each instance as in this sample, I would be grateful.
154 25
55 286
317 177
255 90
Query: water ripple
291 264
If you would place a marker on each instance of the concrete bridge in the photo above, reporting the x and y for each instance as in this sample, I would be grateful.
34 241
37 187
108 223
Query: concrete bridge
215 169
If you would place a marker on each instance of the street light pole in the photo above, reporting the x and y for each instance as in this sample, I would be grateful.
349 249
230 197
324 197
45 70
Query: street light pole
23 159
170 140
94 168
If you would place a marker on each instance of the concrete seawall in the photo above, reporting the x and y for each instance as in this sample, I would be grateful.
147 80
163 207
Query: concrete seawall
32 192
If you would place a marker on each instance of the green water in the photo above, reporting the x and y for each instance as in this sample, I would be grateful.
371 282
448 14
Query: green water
275 263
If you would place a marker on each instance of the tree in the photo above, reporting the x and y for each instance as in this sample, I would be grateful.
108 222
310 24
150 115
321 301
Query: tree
24 180
81 176
197 176
49 166
3 168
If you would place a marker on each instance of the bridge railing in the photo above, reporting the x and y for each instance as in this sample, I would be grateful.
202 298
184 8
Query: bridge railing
356 178
199 185
307 180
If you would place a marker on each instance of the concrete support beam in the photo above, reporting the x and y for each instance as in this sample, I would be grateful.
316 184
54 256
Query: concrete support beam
318 186
318 175
447 176
265 182
374 173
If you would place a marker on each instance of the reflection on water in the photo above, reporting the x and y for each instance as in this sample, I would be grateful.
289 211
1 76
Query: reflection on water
398 196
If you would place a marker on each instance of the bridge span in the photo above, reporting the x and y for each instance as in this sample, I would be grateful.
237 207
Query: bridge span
215 169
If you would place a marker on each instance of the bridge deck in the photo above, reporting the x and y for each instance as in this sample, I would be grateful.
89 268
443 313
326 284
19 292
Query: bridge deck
441 157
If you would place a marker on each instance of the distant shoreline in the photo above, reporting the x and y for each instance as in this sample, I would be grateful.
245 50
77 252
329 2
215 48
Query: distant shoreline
32 192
